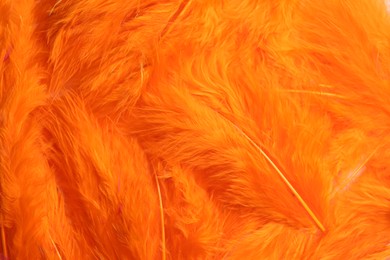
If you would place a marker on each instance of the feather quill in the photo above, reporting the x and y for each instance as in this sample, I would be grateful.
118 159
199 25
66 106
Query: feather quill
182 129
221 155
184 5
164 254
285 180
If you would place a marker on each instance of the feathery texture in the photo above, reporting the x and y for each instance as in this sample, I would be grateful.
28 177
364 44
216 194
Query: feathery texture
183 129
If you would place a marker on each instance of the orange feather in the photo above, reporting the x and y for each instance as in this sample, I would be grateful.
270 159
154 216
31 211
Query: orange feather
179 129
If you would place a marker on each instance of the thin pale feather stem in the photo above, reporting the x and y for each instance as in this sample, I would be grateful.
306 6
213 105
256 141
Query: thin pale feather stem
355 173
320 93
365 161
182 7
55 5
325 86
164 255
285 180
55 247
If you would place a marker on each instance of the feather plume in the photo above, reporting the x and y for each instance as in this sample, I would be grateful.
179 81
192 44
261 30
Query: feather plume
182 129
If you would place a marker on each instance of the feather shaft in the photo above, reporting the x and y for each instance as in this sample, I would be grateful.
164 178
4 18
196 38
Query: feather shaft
55 247
320 93
182 7
285 180
162 219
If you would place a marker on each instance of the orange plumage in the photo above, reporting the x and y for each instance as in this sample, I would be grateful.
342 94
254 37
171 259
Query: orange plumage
236 129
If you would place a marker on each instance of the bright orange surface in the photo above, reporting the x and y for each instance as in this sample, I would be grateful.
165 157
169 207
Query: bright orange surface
237 129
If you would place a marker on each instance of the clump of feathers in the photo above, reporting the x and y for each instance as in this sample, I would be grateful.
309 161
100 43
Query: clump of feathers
186 129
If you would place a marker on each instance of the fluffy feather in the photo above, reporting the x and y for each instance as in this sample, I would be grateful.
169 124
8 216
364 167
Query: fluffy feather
145 129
